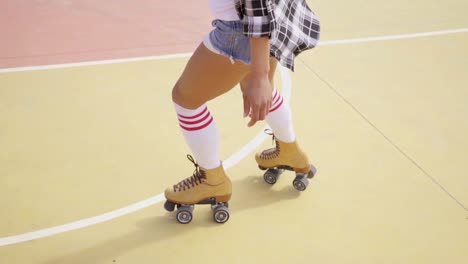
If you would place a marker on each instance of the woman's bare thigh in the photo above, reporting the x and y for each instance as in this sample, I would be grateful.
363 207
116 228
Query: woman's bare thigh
207 75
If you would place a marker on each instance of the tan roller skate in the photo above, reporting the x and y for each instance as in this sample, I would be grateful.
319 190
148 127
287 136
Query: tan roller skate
286 156
203 187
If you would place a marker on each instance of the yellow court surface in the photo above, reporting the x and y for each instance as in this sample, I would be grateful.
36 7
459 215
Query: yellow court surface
381 110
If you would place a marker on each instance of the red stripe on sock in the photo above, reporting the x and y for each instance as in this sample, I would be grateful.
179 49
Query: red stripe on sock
195 122
276 107
197 128
276 101
275 96
195 116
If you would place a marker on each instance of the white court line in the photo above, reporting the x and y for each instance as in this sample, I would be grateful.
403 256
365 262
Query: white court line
183 55
392 37
231 161
91 63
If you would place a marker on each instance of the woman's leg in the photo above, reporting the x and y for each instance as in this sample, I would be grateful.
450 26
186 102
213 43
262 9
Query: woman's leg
206 76
287 152
279 117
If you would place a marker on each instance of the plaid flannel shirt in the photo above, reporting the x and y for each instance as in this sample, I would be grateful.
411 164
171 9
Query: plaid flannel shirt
290 24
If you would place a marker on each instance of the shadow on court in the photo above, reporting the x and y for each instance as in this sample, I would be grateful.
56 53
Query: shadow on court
249 193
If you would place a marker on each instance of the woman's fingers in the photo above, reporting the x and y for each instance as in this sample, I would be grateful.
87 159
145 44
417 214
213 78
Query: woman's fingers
257 97
246 106
254 114
258 112
261 112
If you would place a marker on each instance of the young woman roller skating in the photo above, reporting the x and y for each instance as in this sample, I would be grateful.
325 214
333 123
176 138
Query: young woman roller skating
248 39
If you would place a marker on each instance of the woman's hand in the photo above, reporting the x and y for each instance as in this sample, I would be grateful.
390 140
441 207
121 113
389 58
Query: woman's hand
257 90
257 96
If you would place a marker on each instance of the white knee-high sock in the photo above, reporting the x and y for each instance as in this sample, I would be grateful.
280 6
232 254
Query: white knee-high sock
201 134
280 119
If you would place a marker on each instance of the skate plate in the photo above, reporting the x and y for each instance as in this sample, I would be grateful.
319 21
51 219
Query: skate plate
184 213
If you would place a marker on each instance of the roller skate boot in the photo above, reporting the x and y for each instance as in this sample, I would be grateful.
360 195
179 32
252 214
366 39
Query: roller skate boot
286 156
203 187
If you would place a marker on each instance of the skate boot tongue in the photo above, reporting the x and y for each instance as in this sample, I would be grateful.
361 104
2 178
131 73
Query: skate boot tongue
271 153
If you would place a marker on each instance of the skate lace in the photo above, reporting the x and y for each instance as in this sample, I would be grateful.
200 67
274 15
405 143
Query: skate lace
197 178
272 152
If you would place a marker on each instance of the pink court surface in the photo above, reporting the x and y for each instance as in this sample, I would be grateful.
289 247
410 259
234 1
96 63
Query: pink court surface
89 139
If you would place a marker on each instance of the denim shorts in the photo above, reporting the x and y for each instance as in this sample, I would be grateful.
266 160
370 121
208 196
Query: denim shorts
227 39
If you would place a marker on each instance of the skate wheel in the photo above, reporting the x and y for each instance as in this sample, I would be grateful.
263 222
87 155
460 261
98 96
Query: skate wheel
312 172
221 214
169 206
272 175
184 214
300 183
262 168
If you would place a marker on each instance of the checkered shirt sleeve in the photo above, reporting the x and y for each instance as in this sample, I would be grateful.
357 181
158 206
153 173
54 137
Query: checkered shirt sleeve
297 30
290 24
257 17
